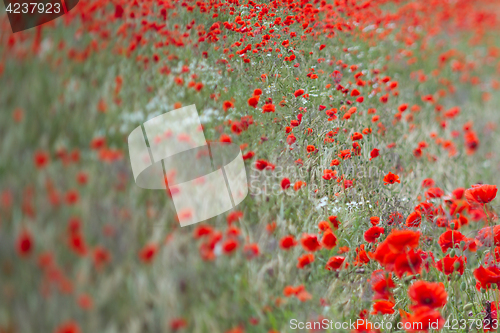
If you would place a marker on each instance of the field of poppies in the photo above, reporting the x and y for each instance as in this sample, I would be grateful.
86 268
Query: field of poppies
369 131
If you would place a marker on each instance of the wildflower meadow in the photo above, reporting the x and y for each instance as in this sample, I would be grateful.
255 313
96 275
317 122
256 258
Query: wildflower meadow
369 134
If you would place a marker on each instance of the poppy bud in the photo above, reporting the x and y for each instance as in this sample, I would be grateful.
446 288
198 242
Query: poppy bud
456 264
452 253
452 225
494 286
467 307
463 287
483 290
462 244
408 278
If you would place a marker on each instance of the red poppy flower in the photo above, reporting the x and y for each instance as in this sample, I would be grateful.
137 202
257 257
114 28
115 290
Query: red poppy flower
41 159
85 302
428 294
236 128
262 164
292 291
285 183
310 242
343 249
490 321
24 244
323 226
229 246
434 192
68 327
335 263
287 242
98 143
329 240
335 162
18 113
298 92
406 263
401 240
356 136
484 236
270 227
251 250
345 154
413 220
202 230
299 184
374 220
268 108
382 253
361 256
481 194
305 260
451 239
77 243
291 139
471 142
100 256
225 138
374 153
234 216
391 178
426 209
310 148
178 323
299 292
373 233
329 174
458 193
384 98
72 197
422 319
334 221
148 252
382 284
448 265
428 182
383 307
355 92
487 275
253 101
491 259
249 155
82 178
227 105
